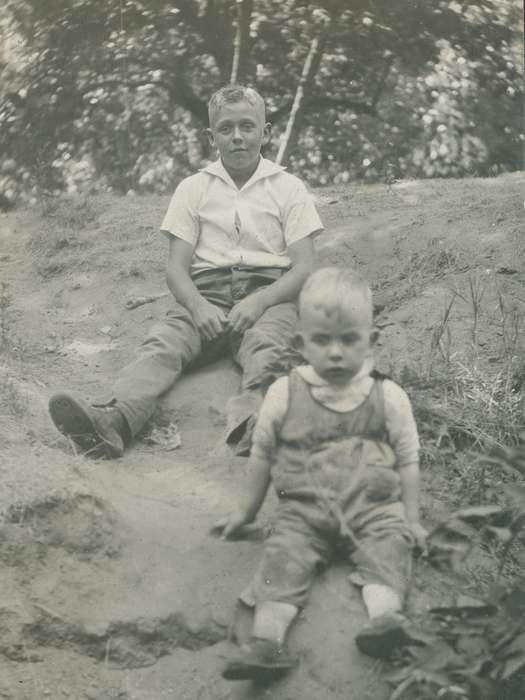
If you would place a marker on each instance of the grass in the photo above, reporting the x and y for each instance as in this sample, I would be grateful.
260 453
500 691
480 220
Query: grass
57 243
12 400
465 406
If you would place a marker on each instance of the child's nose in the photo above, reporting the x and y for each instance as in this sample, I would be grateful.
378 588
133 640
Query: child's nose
237 136
335 350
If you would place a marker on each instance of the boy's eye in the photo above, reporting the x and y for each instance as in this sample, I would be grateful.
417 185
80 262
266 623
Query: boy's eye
321 339
350 338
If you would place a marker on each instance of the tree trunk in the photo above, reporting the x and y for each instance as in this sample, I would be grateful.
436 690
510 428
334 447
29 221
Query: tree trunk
241 42
310 68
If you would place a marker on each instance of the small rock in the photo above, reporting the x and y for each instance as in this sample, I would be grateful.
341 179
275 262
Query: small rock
105 330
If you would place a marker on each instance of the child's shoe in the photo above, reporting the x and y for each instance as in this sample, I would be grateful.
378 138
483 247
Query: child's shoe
386 635
259 659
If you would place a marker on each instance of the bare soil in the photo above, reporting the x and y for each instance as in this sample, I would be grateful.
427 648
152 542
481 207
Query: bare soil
112 586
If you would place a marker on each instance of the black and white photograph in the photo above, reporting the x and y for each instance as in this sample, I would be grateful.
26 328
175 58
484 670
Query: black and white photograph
262 350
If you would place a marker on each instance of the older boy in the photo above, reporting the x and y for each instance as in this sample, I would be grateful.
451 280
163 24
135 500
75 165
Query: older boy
341 448
240 247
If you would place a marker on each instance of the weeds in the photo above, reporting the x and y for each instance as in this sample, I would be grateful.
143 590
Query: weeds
474 649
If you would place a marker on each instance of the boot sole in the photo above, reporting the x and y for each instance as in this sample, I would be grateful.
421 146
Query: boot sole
256 671
72 419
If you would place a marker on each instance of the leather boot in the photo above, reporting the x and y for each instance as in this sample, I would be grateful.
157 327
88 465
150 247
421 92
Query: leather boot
97 431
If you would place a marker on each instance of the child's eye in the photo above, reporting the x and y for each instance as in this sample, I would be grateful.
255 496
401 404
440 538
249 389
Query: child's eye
321 339
350 338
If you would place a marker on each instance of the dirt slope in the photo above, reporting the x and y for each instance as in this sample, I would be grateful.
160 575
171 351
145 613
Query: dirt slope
112 587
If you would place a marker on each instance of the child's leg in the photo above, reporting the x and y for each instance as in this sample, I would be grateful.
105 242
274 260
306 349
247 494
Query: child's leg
291 558
380 600
272 620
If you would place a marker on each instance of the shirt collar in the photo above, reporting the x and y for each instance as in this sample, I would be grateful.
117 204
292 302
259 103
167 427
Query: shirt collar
265 168
310 376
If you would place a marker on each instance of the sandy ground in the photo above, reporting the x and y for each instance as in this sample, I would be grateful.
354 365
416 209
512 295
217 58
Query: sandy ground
112 586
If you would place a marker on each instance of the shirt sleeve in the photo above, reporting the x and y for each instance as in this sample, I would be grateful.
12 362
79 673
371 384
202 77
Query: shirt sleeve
182 219
270 419
400 424
300 217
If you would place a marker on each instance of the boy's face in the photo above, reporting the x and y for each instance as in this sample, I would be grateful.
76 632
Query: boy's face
336 344
238 131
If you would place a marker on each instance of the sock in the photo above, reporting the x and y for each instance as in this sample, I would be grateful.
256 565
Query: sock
380 599
272 620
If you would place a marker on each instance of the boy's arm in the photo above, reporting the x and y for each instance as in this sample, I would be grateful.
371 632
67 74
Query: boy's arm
286 288
208 318
409 475
260 469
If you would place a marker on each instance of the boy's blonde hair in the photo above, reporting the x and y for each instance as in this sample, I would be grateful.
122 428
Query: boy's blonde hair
336 289
230 94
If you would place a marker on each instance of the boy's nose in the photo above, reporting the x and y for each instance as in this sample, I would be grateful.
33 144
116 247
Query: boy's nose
237 136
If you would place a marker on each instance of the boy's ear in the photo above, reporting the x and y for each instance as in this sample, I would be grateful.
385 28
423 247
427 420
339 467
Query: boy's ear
209 134
267 132
374 336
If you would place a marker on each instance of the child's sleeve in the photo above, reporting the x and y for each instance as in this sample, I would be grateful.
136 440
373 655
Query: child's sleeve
270 419
182 219
300 217
400 424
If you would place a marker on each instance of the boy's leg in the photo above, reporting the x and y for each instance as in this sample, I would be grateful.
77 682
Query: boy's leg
168 348
261 347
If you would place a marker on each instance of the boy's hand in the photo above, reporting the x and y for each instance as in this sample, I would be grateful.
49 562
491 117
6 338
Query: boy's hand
209 319
420 536
229 527
244 314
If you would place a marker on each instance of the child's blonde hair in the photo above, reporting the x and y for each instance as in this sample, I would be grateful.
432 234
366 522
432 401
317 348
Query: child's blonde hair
336 289
230 94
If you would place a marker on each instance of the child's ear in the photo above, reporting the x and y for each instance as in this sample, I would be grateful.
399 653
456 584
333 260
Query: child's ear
374 336
298 341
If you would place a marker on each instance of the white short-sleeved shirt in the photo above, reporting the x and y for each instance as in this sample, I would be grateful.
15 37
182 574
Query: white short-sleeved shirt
252 225
400 423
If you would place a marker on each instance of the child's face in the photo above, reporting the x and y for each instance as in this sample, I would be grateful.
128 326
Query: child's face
335 343
238 131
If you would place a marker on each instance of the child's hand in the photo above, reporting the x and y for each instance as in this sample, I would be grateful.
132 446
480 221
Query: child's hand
229 527
420 536
244 314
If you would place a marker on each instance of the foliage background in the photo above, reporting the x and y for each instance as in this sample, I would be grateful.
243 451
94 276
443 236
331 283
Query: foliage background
111 94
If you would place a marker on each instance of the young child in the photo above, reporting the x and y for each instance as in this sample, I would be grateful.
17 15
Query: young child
240 248
341 448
